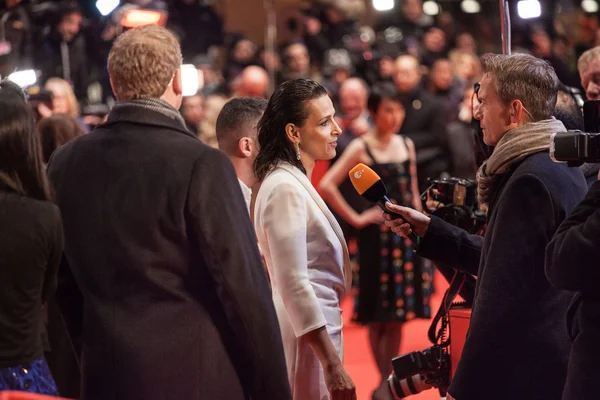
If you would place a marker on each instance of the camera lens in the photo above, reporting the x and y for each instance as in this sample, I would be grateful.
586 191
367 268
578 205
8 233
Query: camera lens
402 388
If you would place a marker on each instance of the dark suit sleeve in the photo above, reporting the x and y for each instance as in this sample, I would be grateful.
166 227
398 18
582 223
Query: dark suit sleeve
219 220
523 224
55 242
451 245
572 255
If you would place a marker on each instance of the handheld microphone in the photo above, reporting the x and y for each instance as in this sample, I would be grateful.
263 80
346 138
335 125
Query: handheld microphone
370 186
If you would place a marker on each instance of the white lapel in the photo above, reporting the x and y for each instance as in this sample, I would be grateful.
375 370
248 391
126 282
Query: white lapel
303 179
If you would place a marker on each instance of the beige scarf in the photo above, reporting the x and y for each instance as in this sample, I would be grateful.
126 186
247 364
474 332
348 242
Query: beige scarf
513 147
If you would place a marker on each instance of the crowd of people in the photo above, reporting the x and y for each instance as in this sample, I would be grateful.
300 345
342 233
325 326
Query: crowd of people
182 249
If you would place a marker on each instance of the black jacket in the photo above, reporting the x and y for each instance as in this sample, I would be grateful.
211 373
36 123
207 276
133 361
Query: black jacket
572 264
176 303
49 57
425 124
517 347
31 242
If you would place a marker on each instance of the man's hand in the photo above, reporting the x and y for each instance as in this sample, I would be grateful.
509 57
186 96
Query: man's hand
410 218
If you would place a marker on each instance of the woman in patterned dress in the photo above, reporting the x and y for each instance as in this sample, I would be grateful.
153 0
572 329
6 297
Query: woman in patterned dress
394 285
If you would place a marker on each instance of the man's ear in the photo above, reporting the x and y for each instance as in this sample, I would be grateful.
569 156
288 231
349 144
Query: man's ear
245 147
112 86
177 82
516 111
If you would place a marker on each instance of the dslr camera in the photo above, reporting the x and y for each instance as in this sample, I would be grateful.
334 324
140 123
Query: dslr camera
576 147
420 370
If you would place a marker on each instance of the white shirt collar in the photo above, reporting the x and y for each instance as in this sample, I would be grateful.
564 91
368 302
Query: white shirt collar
247 192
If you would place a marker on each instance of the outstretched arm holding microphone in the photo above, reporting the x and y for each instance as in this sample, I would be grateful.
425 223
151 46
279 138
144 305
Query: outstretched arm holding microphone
439 241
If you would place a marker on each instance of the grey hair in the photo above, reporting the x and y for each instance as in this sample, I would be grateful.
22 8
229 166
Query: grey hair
526 78
588 57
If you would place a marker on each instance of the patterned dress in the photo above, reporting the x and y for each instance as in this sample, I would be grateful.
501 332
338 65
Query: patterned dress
34 377
394 284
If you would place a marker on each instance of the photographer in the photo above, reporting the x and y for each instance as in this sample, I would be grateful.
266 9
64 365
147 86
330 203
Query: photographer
518 345
571 264
589 72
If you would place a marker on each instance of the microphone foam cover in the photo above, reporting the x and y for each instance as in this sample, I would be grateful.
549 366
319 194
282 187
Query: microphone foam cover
367 183
362 178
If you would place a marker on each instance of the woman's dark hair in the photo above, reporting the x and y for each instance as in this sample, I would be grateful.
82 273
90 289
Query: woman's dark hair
55 131
287 105
380 92
21 167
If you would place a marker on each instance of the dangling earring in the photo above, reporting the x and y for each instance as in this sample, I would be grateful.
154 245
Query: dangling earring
297 145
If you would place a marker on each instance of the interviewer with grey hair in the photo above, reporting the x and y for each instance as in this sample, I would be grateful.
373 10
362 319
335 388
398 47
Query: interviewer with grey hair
518 345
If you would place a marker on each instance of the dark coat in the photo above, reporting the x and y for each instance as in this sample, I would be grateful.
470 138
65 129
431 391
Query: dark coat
572 264
50 60
425 125
517 347
31 238
176 304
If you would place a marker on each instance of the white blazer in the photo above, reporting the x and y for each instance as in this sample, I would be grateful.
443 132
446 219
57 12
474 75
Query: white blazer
307 260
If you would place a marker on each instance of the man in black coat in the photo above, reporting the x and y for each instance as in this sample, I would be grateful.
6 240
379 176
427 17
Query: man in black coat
63 53
425 121
517 347
572 264
176 304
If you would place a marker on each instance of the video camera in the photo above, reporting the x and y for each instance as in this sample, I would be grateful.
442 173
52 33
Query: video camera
576 147
455 201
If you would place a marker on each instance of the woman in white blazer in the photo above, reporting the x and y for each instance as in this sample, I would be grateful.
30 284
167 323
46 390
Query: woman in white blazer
303 245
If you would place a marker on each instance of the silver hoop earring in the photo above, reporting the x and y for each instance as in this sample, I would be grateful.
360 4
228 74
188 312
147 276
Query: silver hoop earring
297 145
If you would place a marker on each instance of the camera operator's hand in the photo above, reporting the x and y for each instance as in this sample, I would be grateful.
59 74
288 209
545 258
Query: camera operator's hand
368 217
414 218
44 110
339 383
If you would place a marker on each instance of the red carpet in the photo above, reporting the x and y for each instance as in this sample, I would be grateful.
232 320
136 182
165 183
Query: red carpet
357 355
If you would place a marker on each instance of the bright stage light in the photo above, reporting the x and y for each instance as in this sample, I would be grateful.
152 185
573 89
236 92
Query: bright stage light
529 9
383 5
470 6
23 78
137 18
589 6
191 79
107 6
430 7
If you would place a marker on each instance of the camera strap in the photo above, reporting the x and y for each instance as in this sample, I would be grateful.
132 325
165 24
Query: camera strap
456 285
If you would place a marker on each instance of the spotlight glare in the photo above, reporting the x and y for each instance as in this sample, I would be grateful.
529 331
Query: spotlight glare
190 80
23 78
470 6
106 6
589 6
430 7
383 5
529 9
137 18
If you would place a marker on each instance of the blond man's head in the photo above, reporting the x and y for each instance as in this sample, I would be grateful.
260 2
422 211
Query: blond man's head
143 63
